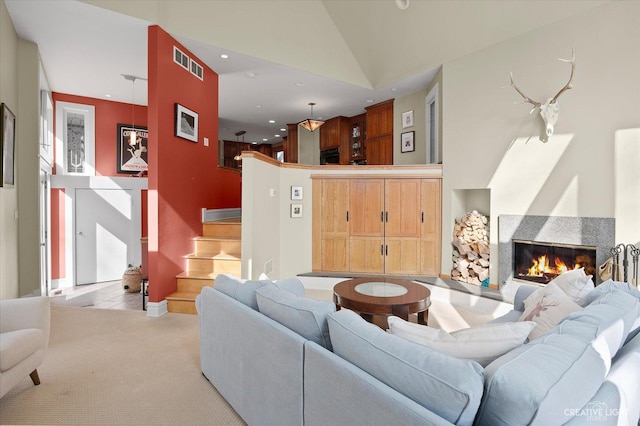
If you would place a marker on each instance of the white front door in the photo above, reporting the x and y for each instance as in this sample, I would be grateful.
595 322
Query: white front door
104 234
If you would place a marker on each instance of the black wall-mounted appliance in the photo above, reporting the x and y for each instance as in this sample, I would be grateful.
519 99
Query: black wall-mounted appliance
330 156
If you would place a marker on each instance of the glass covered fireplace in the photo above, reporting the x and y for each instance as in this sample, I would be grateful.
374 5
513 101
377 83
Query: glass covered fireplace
540 262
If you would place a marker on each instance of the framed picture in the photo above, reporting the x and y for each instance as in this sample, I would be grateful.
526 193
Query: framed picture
132 158
407 142
8 145
296 193
407 119
186 123
296 210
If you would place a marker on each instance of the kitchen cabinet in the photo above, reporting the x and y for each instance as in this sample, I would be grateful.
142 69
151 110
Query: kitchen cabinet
377 225
357 146
335 133
379 133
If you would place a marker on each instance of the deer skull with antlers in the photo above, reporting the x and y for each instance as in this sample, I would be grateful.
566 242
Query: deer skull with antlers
548 110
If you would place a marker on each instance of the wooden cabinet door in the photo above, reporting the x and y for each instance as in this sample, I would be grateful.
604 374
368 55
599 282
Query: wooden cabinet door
402 256
329 134
430 234
334 225
380 150
367 254
402 226
366 226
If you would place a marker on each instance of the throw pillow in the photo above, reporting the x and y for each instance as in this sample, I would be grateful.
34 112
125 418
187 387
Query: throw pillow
576 284
244 291
547 307
307 317
482 344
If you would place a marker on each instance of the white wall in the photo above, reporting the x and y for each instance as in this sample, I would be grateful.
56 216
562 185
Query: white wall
488 142
8 196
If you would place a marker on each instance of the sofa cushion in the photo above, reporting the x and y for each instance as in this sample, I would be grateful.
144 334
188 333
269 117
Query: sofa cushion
547 306
537 382
450 387
575 283
15 346
482 344
307 317
605 322
244 291
610 286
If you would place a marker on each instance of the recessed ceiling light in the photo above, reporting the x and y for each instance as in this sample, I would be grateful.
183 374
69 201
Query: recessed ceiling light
224 56
369 101
258 106
107 96
272 121
265 139
393 89
283 130
254 143
300 84
250 74
402 4
277 136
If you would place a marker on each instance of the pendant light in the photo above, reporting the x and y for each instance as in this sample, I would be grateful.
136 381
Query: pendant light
238 156
310 123
133 136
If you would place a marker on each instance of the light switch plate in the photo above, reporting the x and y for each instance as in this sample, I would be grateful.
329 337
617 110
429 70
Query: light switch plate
206 141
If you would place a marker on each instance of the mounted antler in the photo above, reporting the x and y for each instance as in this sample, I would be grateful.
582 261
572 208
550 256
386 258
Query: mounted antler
567 86
549 110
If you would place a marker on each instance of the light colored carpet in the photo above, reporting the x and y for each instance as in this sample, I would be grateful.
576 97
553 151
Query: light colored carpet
108 367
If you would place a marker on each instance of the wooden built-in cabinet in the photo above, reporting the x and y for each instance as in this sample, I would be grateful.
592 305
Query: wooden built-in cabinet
377 225
335 133
357 144
379 125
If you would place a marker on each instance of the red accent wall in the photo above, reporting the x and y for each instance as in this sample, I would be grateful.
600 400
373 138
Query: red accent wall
183 175
108 114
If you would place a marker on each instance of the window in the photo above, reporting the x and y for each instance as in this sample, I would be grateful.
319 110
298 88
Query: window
75 139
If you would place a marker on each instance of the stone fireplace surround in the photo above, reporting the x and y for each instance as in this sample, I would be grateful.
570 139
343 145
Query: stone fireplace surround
586 231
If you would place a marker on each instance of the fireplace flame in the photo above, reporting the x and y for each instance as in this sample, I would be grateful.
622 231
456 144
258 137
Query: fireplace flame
541 266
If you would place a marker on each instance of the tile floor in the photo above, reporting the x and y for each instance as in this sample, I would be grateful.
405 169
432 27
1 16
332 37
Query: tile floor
106 295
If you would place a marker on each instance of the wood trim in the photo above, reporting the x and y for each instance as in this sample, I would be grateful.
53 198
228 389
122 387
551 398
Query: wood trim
377 176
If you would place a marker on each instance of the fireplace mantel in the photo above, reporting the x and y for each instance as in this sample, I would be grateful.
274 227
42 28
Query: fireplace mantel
588 231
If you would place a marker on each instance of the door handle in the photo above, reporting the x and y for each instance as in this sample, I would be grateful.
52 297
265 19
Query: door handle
80 233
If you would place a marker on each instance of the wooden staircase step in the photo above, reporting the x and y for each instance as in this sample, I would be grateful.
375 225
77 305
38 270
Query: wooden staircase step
211 246
194 282
182 302
222 229
217 252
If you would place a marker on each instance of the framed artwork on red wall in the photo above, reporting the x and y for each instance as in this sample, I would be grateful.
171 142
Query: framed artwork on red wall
132 149
186 123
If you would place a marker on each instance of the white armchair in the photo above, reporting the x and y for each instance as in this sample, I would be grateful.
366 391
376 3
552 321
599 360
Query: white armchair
24 336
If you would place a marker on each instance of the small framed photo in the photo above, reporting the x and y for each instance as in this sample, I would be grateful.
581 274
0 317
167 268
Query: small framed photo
296 210
407 119
186 123
407 142
132 154
296 193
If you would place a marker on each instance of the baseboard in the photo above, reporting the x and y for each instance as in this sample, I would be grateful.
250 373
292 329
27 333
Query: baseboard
157 309
212 215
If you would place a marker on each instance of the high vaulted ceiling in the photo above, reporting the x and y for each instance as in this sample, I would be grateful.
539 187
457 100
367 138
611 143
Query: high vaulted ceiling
341 54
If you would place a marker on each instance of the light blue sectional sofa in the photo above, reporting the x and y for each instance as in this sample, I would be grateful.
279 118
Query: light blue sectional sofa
333 368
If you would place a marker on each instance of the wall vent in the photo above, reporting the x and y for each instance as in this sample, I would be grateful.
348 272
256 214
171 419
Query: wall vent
196 69
180 58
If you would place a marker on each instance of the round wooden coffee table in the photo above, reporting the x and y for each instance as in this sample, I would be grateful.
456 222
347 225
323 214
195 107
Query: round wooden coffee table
383 297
